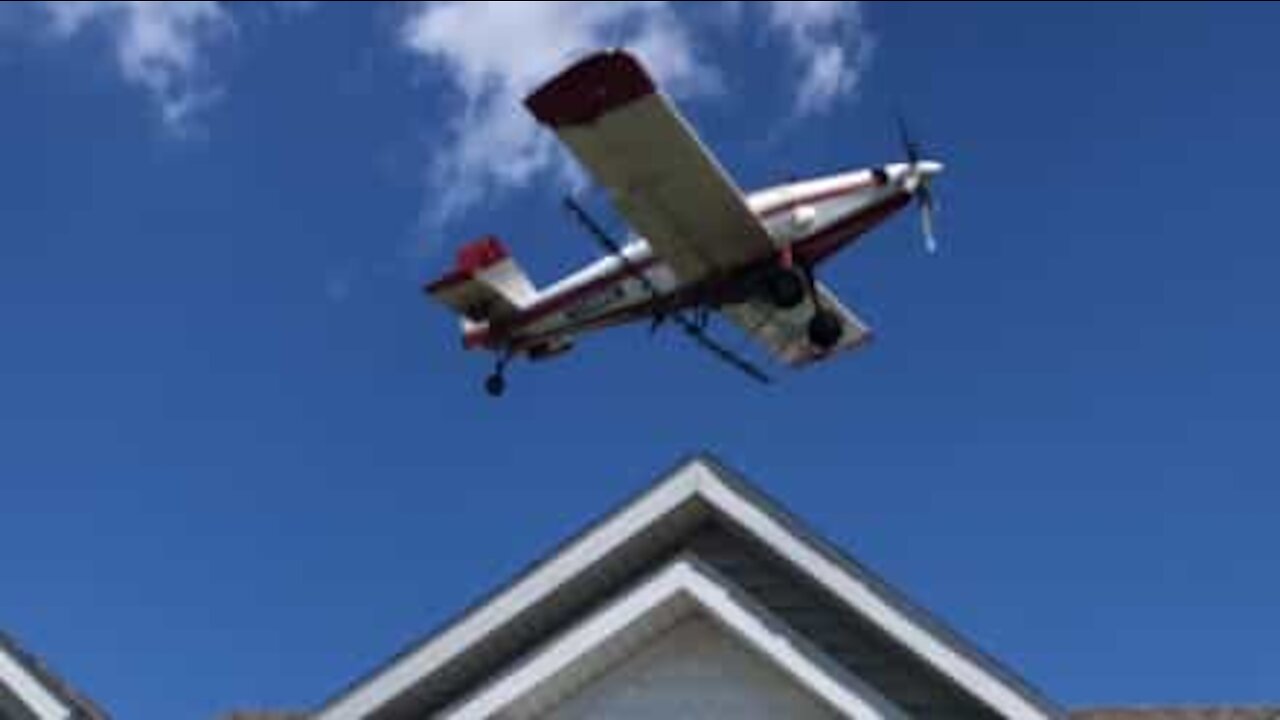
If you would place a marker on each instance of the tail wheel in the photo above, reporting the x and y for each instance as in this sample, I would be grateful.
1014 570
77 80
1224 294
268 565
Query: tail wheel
496 384
825 329
785 288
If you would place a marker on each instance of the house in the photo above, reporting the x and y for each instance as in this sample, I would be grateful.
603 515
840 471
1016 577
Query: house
699 598
702 598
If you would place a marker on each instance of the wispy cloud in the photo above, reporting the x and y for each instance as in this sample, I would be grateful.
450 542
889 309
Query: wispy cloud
297 5
158 46
493 53
828 40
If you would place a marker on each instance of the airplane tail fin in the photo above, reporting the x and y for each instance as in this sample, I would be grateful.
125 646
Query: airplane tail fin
486 284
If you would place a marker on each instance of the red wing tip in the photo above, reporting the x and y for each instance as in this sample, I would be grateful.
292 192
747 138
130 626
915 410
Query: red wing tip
590 88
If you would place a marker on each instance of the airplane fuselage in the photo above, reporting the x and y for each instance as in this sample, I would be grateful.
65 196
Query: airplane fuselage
808 221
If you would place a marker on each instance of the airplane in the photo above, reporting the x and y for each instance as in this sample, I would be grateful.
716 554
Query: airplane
699 244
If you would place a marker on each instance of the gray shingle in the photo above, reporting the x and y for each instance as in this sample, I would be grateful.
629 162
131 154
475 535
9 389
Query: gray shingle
1180 712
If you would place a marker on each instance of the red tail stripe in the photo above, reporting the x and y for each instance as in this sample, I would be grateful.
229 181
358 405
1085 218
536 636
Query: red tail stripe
472 258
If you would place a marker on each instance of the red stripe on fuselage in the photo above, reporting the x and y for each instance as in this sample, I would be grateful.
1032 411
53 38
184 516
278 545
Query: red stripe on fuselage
822 244
808 250
549 305
652 307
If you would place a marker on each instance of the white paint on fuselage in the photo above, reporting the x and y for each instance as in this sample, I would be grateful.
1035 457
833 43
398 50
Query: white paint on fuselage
789 212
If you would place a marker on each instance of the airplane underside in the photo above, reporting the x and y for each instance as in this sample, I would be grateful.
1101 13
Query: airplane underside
782 283
708 247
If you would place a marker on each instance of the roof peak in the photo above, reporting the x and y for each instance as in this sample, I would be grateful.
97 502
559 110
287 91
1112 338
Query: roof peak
697 487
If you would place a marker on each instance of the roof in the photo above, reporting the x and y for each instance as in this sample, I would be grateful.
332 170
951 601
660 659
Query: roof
1180 712
703 506
686 588
26 678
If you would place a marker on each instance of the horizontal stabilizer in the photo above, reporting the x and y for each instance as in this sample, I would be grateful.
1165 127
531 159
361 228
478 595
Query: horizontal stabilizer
486 284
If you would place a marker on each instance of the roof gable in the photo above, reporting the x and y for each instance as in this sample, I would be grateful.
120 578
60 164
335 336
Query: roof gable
29 689
685 586
644 535
695 669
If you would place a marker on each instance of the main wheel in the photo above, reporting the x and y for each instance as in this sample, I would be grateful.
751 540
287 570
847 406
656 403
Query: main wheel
825 330
785 288
495 385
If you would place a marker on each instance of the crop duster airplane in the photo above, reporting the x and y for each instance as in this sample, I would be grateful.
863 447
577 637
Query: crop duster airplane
700 243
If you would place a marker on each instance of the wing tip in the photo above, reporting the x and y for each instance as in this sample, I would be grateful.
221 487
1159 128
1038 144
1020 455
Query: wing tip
590 88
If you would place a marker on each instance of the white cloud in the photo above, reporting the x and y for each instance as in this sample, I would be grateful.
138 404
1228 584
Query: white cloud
827 38
297 5
496 52
157 45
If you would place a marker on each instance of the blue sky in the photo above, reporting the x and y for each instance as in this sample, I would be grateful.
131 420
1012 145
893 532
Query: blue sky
244 460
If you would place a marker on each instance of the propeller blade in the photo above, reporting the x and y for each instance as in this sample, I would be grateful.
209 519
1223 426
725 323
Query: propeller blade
917 183
909 146
926 220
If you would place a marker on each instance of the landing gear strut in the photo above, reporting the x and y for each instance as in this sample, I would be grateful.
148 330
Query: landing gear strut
825 328
496 383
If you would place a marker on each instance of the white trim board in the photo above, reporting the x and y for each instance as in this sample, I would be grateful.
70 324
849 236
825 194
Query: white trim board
695 480
686 580
586 550
863 598
29 690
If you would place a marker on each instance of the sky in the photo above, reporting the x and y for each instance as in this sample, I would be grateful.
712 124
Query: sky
243 460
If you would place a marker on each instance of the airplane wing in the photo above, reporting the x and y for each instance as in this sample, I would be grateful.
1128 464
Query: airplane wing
785 334
661 178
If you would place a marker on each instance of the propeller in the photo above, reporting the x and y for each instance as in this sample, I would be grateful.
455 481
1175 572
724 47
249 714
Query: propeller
695 328
925 200
918 184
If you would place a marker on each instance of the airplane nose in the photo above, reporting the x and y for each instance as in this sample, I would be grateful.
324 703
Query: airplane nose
921 169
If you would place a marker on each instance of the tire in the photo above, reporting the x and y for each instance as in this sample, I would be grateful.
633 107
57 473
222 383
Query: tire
825 330
785 289
495 385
